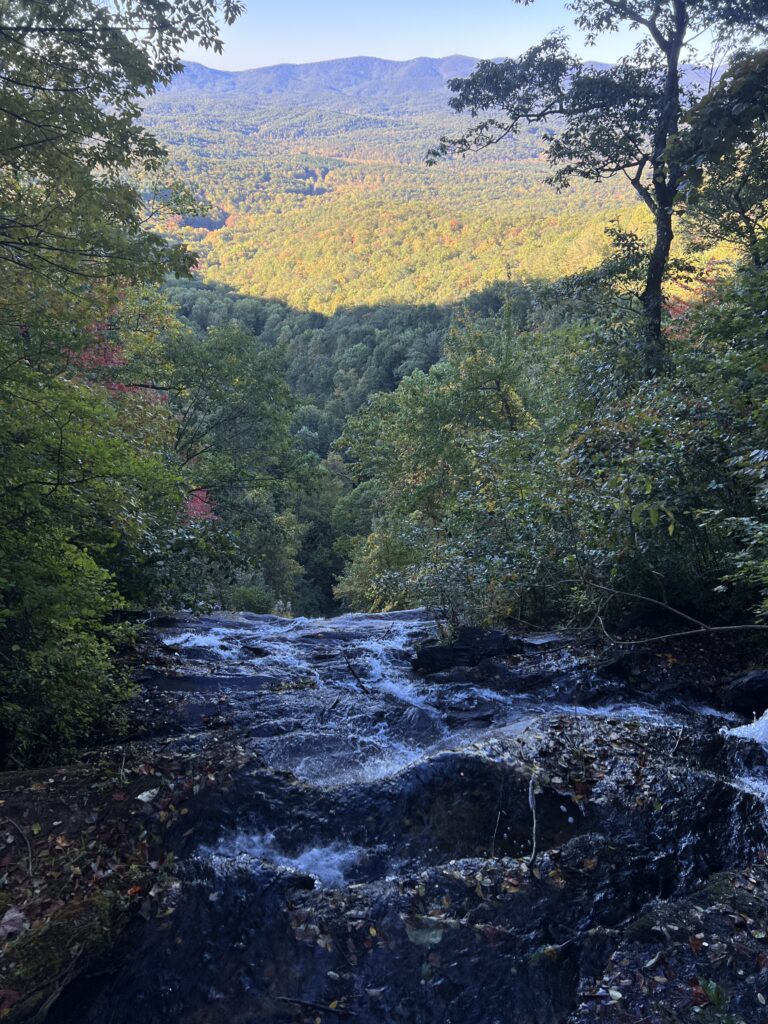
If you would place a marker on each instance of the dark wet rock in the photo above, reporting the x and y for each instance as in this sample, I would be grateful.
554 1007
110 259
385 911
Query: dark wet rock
197 682
470 647
454 805
418 721
195 654
469 941
536 642
629 665
498 674
280 727
509 839
469 711
702 955
570 685
257 651
300 882
748 693
335 637
254 617
166 621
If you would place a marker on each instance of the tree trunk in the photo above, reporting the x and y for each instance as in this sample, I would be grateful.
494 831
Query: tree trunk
653 345
666 180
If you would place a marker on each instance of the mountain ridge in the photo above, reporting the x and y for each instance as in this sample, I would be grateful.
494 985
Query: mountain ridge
455 63
362 78
365 79
320 196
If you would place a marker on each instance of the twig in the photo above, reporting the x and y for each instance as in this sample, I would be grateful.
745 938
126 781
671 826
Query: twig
706 631
23 834
534 833
703 629
495 833
342 1011
326 711
355 673
66 974
498 819
60 982
649 600
679 738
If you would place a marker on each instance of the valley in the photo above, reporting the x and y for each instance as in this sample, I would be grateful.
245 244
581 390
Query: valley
320 195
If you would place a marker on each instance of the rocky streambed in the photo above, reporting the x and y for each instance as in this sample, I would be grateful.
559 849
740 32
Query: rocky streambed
319 827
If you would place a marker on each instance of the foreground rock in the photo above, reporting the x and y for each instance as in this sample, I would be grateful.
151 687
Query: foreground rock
538 837
747 694
699 957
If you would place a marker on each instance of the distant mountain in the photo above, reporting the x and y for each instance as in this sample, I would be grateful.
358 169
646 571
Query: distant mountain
353 76
320 197
368 83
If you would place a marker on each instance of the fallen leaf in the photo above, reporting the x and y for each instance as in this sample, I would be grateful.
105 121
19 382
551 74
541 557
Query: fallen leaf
423 931
12 923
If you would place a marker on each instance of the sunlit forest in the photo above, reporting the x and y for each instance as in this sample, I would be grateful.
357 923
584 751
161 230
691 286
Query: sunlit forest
319 193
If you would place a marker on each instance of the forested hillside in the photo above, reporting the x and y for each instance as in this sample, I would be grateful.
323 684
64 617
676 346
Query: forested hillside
384 266
320 195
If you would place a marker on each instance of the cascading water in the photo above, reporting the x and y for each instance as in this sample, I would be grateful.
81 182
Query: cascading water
373 856
329 700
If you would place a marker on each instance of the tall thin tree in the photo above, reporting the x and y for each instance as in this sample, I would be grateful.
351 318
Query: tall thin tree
598 122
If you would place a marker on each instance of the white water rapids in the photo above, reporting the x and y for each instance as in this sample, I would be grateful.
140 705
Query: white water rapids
335 702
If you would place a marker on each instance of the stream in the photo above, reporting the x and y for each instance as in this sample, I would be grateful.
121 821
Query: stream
470 843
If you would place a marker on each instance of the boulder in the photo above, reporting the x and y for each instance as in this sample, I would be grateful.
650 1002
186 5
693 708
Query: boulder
747 693
470 647
627 665
498 674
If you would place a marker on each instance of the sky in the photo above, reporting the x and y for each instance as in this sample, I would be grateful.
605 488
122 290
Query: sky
299 31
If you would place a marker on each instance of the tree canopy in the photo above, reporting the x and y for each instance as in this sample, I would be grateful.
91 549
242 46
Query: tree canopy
601 122
140 463
73 76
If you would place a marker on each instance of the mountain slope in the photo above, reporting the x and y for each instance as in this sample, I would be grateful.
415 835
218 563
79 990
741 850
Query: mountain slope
322 198
377 83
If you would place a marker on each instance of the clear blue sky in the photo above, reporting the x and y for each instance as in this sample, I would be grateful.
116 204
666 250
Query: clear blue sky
297 31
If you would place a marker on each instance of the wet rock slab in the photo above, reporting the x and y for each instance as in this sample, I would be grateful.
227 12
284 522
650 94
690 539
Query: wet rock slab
747 694
699 957
470 647
507 835
453 922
